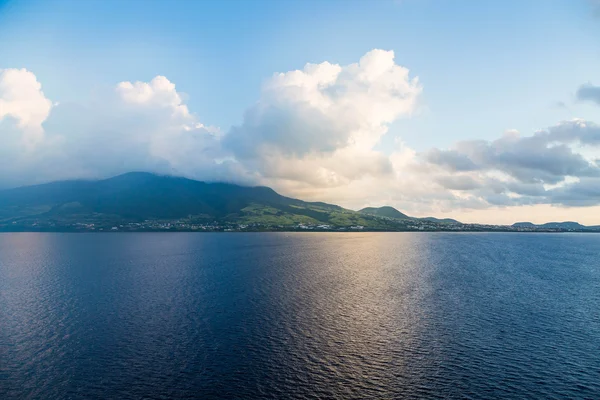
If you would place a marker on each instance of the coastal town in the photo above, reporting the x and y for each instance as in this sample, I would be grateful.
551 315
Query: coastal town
186 225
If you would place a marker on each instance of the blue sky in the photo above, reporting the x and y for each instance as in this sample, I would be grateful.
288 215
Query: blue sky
484 67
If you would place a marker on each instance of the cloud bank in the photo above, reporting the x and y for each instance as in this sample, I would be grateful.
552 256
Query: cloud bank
312 133
521 170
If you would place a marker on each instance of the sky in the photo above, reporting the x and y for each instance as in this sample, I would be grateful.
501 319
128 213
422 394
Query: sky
481 111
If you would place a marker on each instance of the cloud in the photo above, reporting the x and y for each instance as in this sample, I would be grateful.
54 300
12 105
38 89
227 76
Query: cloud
589 92
158 93
146 126
582 193
458 182
314 128
451 159
133 126
574 131
22 99
312 133
319 125
544 157
515 170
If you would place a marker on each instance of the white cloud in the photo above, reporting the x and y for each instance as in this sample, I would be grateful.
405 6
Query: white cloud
159 93
318 126
22 99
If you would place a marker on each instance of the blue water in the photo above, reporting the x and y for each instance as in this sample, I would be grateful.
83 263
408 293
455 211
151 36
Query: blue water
316 315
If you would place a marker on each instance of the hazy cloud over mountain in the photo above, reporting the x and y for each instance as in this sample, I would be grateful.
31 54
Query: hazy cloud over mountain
135 126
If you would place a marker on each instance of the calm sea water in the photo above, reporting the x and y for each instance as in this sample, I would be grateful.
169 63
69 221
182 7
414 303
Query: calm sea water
363 315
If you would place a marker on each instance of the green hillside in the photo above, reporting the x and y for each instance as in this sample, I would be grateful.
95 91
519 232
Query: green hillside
138 197
143 201
385 211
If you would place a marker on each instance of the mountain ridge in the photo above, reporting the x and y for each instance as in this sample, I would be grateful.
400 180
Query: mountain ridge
569 225
384 211
142 200
391 212
138 196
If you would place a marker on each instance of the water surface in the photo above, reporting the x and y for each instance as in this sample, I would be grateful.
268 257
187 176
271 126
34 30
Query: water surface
315 315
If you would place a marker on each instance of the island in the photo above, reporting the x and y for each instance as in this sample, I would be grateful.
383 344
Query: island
140 201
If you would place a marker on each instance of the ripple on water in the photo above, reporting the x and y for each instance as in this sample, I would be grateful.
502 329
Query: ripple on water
363 315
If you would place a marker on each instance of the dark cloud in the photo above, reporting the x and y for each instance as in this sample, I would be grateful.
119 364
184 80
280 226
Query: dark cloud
544 164
589 92
526 189
501 199
577 130
451 159
527 159
511 193
458 182
585 192
515 170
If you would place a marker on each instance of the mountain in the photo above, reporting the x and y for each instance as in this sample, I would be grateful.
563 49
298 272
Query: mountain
569 225
524 225
145 195
139 196
391 212
385 211
563 225
144 201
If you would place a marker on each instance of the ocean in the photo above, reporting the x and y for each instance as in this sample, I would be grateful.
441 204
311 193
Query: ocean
299 315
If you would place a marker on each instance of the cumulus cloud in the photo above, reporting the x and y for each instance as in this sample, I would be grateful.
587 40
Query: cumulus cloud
319 125
158 93
22 100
